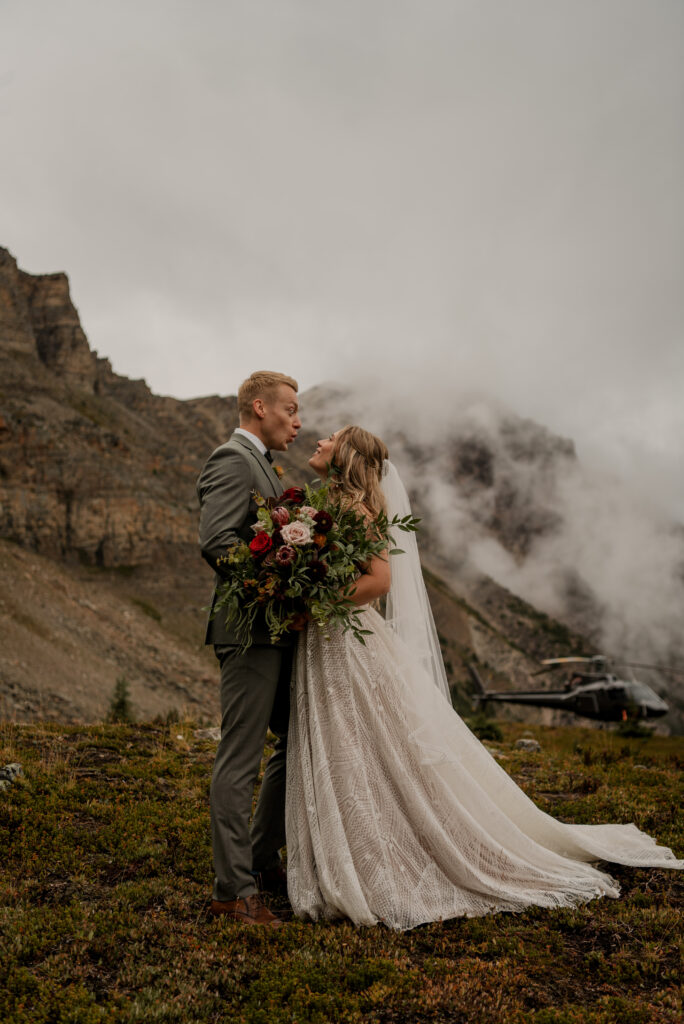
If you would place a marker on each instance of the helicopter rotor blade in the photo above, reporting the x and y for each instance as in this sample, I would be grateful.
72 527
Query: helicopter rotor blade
565 661
660 668
602 661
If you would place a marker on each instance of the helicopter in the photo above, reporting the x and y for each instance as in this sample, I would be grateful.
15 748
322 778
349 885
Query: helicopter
593 693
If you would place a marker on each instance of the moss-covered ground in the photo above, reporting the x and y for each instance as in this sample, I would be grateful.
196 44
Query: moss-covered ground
106 868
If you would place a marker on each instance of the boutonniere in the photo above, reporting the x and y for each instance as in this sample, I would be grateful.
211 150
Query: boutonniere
280 472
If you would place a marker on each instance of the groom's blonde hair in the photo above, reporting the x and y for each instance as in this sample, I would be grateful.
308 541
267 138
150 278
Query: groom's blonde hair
260 384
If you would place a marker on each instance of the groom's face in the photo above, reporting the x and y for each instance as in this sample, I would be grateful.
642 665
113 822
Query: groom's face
280 421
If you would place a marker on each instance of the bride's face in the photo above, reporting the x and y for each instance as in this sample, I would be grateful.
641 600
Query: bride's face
321 458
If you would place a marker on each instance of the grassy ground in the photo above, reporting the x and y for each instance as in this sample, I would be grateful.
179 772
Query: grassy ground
105 875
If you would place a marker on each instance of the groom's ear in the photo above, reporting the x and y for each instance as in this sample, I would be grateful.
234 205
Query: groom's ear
258 408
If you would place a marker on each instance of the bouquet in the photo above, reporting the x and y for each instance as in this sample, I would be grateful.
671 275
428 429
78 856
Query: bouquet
306 554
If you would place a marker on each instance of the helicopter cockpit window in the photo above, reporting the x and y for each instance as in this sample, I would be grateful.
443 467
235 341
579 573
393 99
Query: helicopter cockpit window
640 692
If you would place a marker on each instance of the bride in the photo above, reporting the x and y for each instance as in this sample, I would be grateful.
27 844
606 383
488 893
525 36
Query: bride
395 812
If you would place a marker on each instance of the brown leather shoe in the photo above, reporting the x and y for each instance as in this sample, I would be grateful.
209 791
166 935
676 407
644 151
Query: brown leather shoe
248 909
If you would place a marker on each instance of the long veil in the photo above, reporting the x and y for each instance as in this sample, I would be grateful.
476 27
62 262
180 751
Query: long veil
408 611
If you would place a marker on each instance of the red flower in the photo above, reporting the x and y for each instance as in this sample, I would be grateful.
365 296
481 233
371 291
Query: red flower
295 494
323 521
260 545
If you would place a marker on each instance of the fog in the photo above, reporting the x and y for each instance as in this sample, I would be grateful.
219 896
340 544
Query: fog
502 496
438 197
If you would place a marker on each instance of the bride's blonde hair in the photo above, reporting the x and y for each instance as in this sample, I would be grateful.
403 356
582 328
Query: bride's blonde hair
356 469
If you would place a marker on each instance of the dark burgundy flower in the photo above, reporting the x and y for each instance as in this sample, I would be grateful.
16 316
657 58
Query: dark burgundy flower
280 516
323 521
317 570
295 494
285 555
260 545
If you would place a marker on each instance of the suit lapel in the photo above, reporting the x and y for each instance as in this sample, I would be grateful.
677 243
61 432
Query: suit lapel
267 470
276 480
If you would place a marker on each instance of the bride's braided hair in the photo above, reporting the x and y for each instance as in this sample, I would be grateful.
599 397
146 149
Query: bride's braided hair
356 464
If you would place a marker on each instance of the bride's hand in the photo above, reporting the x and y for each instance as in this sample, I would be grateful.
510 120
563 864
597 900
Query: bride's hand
373 582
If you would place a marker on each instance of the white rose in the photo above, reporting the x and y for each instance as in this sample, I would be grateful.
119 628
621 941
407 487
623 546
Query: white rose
258 526
296 533
308 511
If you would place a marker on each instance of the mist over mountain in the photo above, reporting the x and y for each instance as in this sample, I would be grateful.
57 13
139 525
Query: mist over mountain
503 497
527 554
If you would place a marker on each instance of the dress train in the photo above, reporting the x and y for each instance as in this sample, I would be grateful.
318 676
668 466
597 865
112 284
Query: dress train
396 813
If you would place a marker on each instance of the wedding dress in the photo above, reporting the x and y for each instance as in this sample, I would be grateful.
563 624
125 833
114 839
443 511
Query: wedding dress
395 812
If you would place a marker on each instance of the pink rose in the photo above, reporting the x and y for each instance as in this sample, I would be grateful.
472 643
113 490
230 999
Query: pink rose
307 510
296 533
280 516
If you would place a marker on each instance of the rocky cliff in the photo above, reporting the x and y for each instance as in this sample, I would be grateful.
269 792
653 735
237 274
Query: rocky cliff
93 467
98 475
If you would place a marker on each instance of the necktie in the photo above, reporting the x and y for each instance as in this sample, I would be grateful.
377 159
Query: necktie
268 456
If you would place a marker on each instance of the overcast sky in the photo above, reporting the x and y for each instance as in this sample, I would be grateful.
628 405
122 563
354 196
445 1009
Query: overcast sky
467 194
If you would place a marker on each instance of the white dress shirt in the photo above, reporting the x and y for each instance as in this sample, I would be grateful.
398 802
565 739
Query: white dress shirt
253 438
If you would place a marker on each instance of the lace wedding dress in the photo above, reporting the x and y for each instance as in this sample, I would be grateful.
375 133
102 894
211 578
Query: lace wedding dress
396 813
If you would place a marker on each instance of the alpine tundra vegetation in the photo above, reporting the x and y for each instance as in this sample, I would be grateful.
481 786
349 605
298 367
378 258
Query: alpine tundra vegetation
106 856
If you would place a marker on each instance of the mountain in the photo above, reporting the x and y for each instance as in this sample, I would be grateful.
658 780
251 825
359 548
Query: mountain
100 574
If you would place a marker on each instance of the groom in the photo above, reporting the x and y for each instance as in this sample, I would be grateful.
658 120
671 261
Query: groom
254 685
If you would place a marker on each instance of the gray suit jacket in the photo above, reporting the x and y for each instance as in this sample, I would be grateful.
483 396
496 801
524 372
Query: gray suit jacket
227 512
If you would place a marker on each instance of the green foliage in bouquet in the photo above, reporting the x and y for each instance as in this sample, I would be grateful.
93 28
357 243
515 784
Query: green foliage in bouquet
302 564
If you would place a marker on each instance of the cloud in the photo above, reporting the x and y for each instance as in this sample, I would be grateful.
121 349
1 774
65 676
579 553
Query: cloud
482 195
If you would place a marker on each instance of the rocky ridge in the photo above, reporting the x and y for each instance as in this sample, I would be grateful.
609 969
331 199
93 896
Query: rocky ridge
99 568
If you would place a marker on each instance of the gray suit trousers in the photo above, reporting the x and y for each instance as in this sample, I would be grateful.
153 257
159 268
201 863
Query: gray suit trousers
255 696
